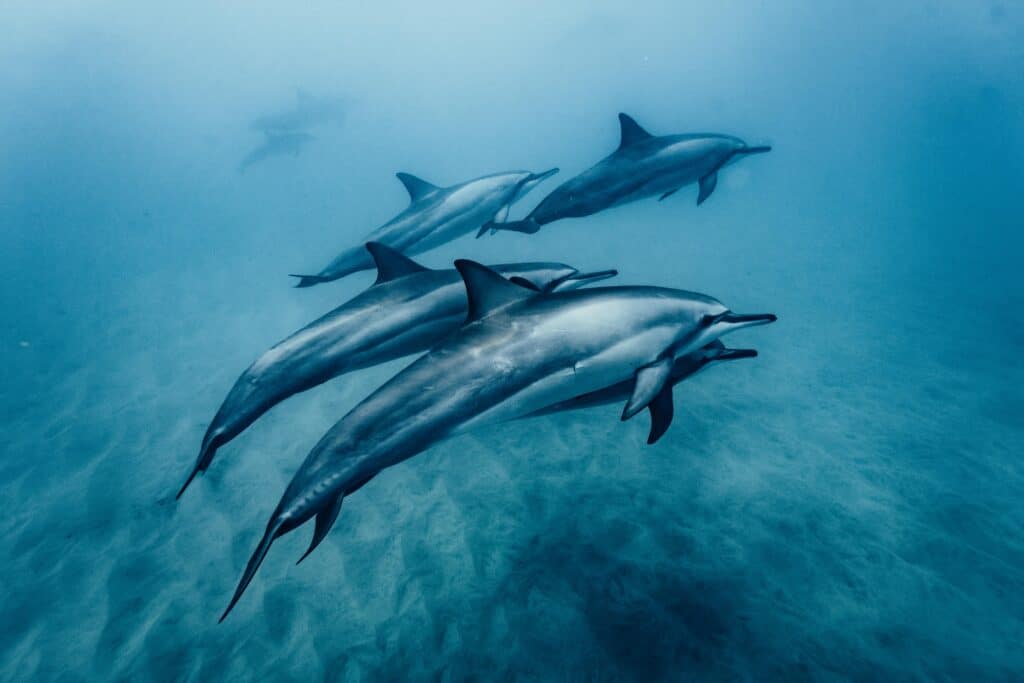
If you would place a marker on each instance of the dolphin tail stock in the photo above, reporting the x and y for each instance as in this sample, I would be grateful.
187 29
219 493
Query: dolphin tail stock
280 524
211 443
527 225
275 529
196 469
309 280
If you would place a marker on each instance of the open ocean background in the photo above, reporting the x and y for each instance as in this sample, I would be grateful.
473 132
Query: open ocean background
848 506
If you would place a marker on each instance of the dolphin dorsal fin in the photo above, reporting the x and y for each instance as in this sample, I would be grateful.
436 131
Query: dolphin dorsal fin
417 187
631 131
487 291
391 263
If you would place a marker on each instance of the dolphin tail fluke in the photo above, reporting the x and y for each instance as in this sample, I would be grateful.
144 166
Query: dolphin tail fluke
309 280
527 225
324 521
273 531
206 453
196 469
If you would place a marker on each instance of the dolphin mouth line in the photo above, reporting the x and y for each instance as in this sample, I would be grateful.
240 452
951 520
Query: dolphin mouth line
747 319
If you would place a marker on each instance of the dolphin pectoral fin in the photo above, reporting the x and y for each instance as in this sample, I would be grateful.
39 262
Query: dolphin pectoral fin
707 186
650 380
273 531
662 409
324 521
668 194
493 225
502 214
391 263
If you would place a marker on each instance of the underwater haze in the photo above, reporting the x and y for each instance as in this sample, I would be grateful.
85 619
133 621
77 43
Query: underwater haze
847 506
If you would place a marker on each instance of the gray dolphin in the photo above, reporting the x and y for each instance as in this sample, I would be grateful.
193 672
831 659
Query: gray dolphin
643 166
407 310
436 215
518 352
683 368
275 144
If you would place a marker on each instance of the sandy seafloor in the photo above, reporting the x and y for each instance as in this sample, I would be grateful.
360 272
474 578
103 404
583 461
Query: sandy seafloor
849 505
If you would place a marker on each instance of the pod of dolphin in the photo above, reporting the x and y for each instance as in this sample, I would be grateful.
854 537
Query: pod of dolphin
501 342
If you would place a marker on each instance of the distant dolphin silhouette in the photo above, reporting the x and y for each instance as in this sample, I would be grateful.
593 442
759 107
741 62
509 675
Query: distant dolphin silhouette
276 144
309 111
407 310
518 352
643 166
436 215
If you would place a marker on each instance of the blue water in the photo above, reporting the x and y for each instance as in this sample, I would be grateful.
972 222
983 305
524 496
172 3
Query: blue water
849 505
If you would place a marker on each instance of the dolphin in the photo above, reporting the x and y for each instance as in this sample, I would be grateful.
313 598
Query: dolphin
407 310
436 215
683 368
519 351
309 110
643 166
276 144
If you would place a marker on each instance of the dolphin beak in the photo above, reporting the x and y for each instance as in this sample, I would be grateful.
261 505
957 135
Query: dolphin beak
736 354
542 176
757 149
577 279
749 320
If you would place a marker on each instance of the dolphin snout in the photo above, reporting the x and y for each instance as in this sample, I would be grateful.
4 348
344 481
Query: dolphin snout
748 320
736 354
578 279
543 175
755 149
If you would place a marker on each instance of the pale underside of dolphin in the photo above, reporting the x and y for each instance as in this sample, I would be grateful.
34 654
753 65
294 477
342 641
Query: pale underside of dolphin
644 165
519 352
661 409
435 216
406 311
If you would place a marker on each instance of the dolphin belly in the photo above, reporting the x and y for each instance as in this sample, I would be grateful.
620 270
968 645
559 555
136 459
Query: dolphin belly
608 367
456 226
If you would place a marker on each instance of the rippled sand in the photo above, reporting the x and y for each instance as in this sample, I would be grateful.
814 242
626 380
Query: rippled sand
846 504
